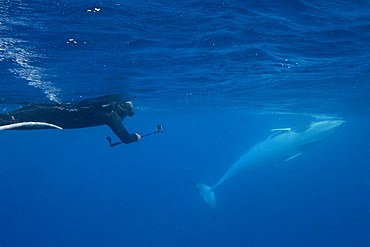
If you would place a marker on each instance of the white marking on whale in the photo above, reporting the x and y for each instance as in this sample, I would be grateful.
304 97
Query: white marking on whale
283 145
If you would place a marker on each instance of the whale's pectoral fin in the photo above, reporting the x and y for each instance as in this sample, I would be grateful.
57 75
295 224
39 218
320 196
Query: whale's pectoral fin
292 157
30 126
282 129
206 192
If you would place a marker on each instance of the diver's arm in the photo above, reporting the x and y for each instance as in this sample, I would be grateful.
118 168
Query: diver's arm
115 123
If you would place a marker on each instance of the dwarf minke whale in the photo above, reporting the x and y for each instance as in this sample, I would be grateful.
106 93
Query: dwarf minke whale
283 145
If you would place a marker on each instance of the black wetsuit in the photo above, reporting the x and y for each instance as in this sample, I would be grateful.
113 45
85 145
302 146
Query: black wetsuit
75 116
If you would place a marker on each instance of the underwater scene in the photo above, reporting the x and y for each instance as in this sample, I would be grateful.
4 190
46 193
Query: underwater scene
184 123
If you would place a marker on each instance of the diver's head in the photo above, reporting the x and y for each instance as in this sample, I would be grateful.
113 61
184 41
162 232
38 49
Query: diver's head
129 107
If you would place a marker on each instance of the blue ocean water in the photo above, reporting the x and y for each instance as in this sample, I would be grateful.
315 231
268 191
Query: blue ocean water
218 75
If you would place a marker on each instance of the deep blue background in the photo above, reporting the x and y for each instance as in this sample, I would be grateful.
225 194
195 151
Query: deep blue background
218 75
69 188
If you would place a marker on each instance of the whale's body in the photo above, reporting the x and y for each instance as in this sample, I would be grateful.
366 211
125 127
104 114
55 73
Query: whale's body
283 145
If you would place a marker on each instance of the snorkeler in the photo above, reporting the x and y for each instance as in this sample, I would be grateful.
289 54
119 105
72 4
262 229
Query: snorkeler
65 116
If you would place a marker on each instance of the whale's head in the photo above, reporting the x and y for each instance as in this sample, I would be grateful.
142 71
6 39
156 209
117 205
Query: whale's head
327 127
318 131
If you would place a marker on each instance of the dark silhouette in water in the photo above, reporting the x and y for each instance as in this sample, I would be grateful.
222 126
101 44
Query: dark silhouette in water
89 113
